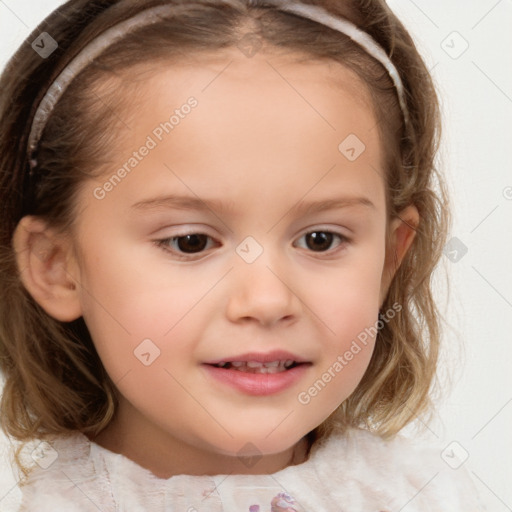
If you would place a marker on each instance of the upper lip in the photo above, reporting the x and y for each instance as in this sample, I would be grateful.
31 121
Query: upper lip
260 357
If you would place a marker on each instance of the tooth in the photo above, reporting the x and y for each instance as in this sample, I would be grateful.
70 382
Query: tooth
288 363
262 368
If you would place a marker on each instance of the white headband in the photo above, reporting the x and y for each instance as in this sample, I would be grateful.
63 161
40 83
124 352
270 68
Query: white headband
154 14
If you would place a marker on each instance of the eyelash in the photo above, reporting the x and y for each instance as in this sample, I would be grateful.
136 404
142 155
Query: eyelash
164 243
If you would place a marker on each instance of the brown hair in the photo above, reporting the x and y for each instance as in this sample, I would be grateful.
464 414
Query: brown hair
55 381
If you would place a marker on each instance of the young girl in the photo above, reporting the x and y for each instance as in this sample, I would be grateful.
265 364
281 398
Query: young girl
220 221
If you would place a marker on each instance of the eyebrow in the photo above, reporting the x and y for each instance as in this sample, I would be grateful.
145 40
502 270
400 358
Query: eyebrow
182 203
194 203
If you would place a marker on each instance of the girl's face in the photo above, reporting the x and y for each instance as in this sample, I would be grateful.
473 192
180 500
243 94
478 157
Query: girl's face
245 215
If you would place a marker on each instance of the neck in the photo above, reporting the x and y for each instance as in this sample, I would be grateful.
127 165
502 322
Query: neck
166 455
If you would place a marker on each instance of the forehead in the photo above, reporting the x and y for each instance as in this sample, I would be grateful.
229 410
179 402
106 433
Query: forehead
269 68
272 121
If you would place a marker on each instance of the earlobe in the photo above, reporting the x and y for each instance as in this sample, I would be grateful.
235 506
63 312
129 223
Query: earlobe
401 235
47 268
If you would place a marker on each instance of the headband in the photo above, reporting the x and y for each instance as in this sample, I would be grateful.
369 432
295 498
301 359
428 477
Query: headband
154 14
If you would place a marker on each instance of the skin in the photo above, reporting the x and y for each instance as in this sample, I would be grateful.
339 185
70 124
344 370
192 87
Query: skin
261 147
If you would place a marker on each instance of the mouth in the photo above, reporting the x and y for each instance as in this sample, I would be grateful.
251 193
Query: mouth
258 374
277 366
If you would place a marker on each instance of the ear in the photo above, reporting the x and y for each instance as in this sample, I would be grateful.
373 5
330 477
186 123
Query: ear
47 268
402 231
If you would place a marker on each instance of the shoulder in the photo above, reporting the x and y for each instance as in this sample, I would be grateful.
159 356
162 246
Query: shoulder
64 476
394 473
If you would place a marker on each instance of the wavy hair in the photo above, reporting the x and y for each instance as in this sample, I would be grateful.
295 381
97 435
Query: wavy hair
54 379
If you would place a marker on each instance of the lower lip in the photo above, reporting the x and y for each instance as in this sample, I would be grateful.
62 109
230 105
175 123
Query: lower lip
258 384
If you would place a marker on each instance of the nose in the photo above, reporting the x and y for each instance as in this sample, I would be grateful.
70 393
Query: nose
262 293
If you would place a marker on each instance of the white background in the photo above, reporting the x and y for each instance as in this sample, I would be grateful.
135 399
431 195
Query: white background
476 93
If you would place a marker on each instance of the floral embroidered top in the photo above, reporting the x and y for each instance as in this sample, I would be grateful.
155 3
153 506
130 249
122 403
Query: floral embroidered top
356 472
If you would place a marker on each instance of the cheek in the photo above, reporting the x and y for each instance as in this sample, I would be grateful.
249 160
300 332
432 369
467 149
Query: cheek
130 314
348 299
145 332
348 306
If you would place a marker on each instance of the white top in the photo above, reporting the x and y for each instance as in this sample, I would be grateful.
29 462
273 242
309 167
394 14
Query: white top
358 472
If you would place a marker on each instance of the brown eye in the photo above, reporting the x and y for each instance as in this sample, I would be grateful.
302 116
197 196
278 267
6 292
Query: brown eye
191 243
319 240
322 241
